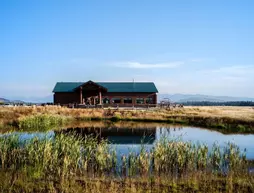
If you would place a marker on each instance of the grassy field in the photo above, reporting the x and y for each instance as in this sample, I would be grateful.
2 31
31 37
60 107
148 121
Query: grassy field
225 119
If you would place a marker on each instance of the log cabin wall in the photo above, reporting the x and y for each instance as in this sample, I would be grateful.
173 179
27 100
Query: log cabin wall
66 98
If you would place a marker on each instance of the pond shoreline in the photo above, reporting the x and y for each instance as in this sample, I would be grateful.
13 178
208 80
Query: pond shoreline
223 125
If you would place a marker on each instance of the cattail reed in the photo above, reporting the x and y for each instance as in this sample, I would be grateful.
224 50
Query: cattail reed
64 155
64 158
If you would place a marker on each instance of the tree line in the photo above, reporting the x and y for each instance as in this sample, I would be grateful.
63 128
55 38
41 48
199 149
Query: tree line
228 103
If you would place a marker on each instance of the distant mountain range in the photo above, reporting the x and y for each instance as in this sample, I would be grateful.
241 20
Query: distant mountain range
180 98
47 99
2 100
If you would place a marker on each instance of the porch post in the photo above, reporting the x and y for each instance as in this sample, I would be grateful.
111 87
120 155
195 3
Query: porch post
155 98
110 99
134 101
80 95
100 102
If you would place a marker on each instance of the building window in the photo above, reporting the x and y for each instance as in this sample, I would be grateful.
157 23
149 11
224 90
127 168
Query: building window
127 100
106 100
116 100
149 100
140 100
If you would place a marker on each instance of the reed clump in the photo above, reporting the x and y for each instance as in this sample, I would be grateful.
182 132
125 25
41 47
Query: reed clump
73 153
42 122
59 156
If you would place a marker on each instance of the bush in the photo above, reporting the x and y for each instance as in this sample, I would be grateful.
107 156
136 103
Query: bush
116 118
41 122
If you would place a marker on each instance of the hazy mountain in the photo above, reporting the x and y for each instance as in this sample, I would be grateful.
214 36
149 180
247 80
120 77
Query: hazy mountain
46 99
17 101
197 97
3 100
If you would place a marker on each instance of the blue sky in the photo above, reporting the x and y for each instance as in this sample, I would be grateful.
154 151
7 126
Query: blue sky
204 47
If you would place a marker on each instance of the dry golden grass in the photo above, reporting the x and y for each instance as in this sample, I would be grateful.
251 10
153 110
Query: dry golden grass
239 113
243 113
229 119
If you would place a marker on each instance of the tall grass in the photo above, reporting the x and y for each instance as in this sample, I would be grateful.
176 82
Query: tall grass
42 122
70 154
65 158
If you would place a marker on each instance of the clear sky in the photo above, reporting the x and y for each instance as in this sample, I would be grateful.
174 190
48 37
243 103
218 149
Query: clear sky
184 46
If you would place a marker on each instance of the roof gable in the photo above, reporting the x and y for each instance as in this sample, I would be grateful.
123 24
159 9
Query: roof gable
91 84
110 86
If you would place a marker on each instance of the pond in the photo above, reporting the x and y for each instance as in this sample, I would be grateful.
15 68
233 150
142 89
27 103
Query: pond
130 137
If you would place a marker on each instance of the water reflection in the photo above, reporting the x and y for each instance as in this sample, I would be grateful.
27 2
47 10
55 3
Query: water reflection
116 135
125 137
130 138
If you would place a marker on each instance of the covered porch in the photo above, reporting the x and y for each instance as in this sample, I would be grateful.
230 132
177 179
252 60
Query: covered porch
90 94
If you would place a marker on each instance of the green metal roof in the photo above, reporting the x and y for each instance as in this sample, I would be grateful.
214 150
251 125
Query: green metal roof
110 86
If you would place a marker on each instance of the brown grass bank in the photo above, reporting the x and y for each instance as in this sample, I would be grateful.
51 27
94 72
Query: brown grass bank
225 119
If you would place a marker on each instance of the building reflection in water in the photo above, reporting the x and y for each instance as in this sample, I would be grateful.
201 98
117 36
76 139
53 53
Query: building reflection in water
116 135
168 132
124 135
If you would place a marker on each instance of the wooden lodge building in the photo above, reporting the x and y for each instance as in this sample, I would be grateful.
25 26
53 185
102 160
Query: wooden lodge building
122 94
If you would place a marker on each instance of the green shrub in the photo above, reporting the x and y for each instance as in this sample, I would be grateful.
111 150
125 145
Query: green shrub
41 122
241 128
115 118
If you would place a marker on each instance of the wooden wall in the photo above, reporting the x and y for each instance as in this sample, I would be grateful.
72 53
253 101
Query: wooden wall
74 97
66 98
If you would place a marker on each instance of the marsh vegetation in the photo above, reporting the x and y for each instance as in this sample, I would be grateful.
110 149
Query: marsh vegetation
88 164
85 163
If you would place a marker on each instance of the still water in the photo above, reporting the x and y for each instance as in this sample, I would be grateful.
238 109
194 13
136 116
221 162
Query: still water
129 138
